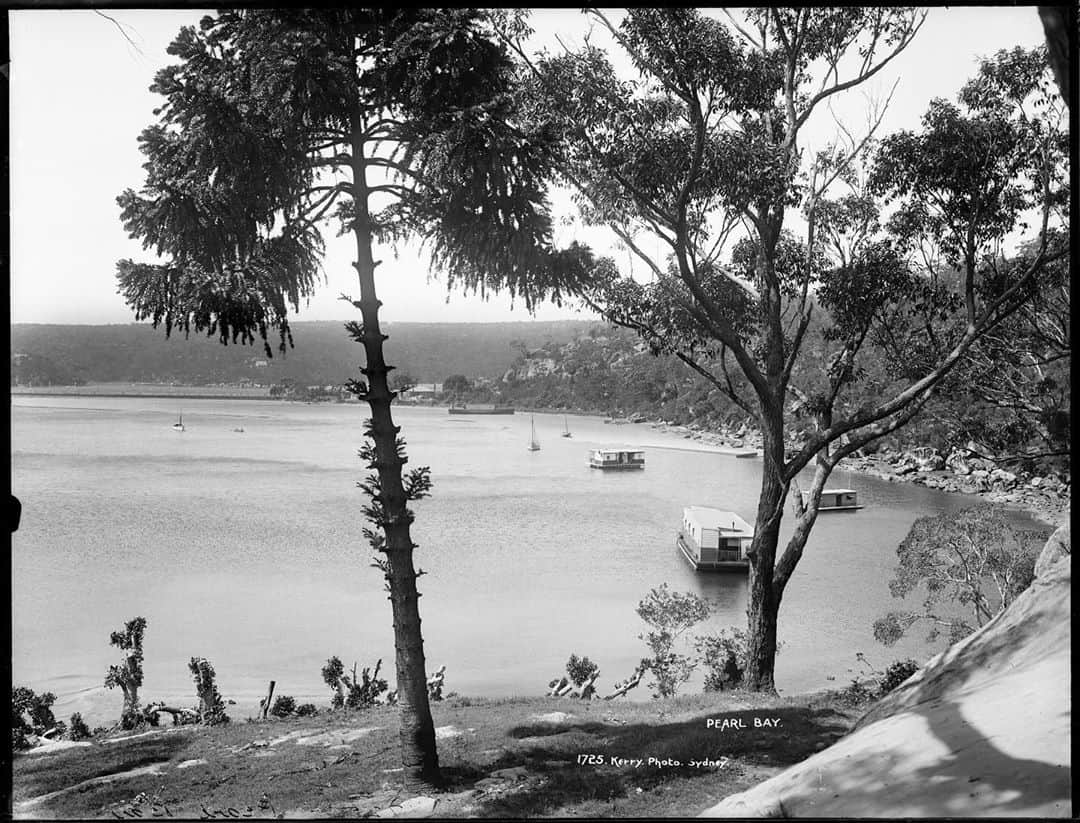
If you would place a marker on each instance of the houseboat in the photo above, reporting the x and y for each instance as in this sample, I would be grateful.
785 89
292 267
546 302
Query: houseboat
714 539
836 500
461 408
617 459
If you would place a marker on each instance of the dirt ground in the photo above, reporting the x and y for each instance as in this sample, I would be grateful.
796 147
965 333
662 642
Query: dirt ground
528 757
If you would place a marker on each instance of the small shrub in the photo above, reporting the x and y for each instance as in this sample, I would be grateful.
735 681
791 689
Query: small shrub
367 691
129 674
857 693
580 669
352 691
78 728
670 614
211 707
283 706
30 715
724 655
306 710
435 684
897 672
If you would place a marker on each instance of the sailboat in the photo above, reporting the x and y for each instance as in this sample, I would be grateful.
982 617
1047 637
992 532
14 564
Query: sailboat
179 424
534 444
566 428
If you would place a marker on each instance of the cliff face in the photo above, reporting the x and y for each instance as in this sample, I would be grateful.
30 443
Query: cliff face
982 730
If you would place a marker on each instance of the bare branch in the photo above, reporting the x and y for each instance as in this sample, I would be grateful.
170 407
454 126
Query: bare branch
120 28
749 38
865 72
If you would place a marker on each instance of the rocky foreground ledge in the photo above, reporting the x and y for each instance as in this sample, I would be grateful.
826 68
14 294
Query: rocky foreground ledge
982 730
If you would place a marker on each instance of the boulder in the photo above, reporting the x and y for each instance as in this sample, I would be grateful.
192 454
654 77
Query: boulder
1056 547
982 730
413 807
931 463
957 462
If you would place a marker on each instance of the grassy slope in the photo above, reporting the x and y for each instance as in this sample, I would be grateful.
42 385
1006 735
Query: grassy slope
499 760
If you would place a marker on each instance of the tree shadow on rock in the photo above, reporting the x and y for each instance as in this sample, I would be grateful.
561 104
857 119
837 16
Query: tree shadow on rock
976 778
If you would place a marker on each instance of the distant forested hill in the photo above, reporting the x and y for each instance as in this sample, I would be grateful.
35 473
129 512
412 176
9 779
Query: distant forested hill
323 352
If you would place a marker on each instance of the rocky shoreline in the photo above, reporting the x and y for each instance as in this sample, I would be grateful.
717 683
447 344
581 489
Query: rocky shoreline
1046 499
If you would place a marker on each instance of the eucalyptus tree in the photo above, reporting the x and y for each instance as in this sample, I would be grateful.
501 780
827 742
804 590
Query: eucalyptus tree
707 147
388 123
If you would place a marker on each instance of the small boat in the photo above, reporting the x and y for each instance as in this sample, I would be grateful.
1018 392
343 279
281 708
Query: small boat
239 429
178 426
617 459
836 500
461 408
534 444
566 428
714 539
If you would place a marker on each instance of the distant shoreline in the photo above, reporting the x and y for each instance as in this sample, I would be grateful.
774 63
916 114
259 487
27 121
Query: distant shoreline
1051 511
147 390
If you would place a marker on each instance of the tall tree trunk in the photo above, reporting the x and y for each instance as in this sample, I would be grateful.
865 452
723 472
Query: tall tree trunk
764 603
418 753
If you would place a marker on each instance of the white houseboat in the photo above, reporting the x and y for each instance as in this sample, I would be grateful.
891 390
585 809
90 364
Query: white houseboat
461 408
836 500
714 540
617 459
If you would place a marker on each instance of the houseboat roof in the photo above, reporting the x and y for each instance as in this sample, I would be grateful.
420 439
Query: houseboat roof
710 518
620 449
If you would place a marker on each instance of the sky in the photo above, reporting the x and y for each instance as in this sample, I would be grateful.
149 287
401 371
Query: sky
80 97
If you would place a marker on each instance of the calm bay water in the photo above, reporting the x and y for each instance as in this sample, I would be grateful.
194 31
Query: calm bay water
245 548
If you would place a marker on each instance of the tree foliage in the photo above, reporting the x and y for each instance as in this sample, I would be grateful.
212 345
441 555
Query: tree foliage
724 656
670 614
702 153
580 669
255 126
388 123
31 714
456 384
969 565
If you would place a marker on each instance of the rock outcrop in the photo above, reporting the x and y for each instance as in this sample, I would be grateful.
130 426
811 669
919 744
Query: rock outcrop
982 730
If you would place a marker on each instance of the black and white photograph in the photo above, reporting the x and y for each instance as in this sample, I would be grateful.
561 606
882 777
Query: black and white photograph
540 413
